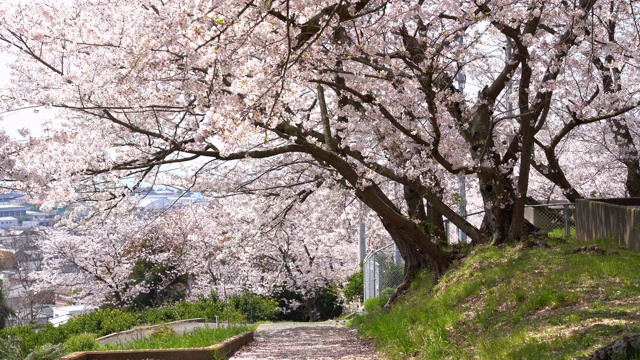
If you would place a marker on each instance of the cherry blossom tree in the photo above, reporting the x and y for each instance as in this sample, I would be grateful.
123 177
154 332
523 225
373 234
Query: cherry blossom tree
98 261
228 246
360 95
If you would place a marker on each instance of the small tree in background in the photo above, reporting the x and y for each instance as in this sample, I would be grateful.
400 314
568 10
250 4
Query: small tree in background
354 289
5 311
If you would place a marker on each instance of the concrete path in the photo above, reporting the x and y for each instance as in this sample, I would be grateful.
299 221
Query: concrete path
326 340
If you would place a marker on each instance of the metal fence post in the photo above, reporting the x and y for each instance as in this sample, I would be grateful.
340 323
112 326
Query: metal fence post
376 275
567 222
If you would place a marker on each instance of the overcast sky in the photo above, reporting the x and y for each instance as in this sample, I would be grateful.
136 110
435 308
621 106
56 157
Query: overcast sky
28 118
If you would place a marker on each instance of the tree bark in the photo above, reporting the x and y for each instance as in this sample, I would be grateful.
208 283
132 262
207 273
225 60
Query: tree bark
628 155
430 219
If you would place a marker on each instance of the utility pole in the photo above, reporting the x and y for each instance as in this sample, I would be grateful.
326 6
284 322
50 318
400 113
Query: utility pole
462 183
363 240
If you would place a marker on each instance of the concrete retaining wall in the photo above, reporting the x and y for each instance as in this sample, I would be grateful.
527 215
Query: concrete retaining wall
223 349
180 327
616 219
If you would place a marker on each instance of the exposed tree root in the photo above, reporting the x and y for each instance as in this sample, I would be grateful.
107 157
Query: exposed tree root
622 349
593 248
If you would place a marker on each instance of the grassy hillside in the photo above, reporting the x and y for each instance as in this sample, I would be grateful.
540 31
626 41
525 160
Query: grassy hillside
515 303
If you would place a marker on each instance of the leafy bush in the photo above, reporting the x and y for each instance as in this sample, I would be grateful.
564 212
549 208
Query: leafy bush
46 352
387 292
49 334
107 320
328 303
23 337
254 307
81 342
162 333
354 289
10 349
206 308
323 305
375 304
101 322
115 320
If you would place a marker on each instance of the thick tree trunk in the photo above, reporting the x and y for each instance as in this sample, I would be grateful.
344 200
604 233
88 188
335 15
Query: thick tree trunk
633 180
628 155
431 221
516 226
436 222
414 261
497 194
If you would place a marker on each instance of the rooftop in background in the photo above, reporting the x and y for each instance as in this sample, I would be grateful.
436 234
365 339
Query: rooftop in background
12 195
8 206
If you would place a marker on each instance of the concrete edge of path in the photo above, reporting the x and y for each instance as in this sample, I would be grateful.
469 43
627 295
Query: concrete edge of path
141 329
223 349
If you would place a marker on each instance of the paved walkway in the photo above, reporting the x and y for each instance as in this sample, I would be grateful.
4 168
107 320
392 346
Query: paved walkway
289 341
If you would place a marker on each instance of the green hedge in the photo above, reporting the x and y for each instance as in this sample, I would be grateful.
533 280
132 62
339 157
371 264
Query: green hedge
107 320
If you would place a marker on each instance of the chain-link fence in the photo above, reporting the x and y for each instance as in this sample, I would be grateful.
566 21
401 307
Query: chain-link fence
554 219
383 271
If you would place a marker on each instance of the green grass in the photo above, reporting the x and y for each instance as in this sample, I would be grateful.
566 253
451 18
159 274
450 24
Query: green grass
197 338
515 303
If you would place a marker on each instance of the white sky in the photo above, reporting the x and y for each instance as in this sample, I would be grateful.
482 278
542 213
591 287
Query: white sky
32 119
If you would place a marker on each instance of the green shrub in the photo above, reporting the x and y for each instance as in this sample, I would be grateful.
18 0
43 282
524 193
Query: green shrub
49 334
354 289
375 304
206 308
162 333
108 320
23 337
324 304
10 349
328 303
46 352
81 342
101 322
115 320
254 307
159 315
387 291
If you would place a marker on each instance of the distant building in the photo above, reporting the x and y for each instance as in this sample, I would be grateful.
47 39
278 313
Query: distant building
7 222
62 314
15 211
30 224
41 218
12 197
154 204
153 200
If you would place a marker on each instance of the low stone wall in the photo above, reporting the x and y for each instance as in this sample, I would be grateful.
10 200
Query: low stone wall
221 350
616 219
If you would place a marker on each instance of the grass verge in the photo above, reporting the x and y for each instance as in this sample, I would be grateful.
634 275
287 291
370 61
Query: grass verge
515 303
197 338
